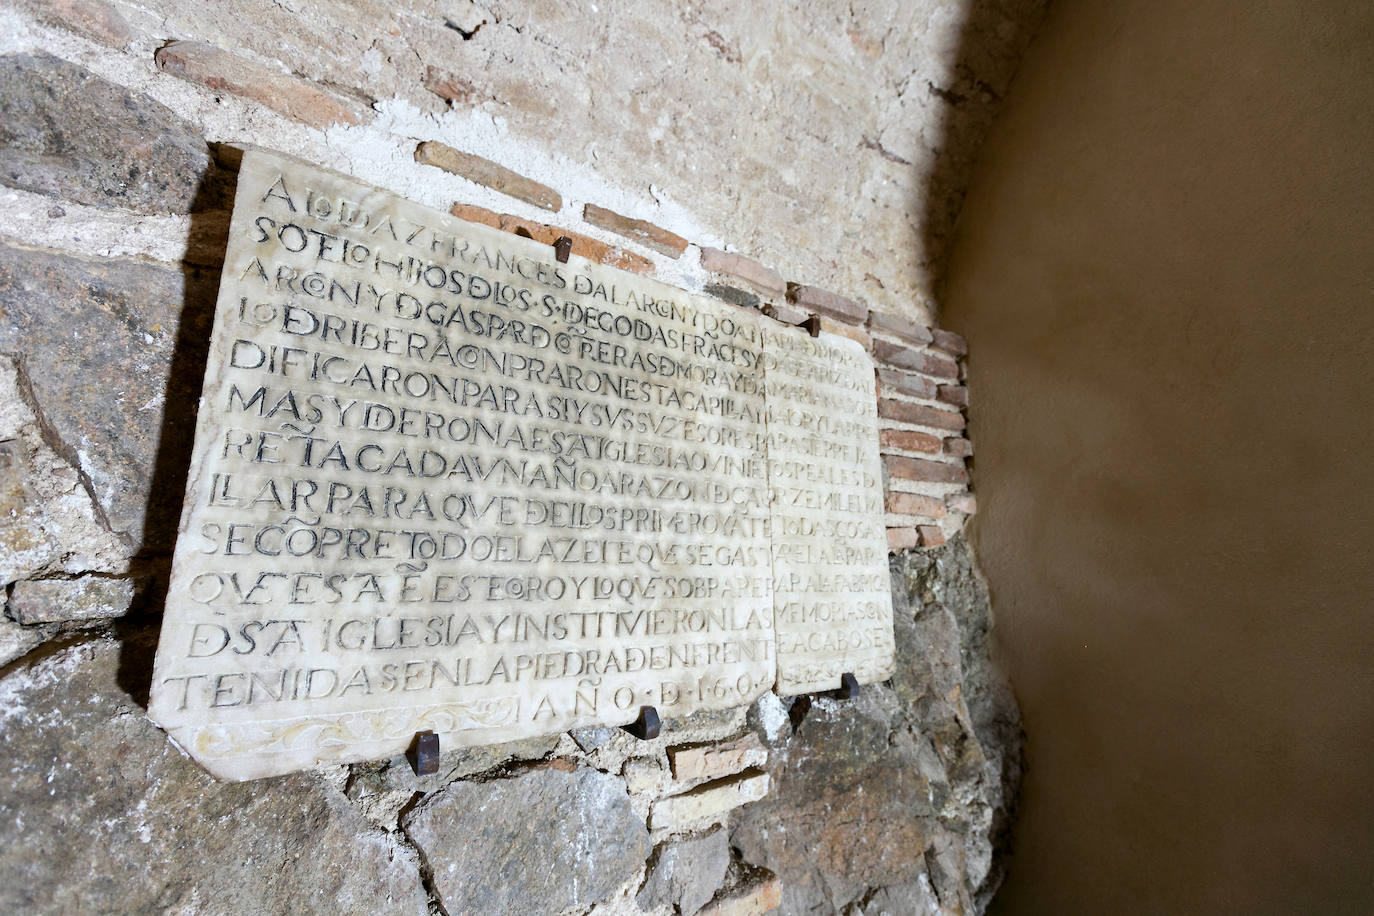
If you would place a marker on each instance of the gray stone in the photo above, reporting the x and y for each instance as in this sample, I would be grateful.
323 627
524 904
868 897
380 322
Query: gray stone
81 598
397 774
114 352
102 813
65 132
17 641
910 782
537 843
686 873
589 739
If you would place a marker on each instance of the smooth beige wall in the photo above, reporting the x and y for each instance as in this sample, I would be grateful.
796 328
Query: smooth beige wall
1165 269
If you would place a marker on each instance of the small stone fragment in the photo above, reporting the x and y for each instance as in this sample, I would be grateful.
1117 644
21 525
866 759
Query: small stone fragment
58 600
538 843
709 800
642 231
686 873
815 299
221 71
589 739
712 761
761 893
449 86
488 174
750 271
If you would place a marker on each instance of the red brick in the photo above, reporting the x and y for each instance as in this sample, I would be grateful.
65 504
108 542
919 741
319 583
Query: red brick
488 174
900 503
966 503
589 248
902 538
899 327
824 302
642 231
950 342
853 332
787 314
450 86
909 440
959 447
931 535
954 394
921 469
198 62
920 414
918 386
738 266
918 360
95 20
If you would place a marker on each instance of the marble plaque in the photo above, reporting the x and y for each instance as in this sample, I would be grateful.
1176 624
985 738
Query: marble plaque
443 482
830 577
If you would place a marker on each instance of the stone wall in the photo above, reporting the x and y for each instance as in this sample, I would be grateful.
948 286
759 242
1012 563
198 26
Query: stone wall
806 163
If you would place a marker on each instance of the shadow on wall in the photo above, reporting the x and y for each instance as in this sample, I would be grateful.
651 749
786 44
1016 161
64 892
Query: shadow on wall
1165 270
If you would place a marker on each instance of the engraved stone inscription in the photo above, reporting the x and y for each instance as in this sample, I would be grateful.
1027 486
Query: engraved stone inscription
830 577
443 482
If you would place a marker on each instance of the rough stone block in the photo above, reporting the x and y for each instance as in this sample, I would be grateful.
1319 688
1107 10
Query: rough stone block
909 440
709 800
900 503
152 831
910 331
738 266
760 894
488 174
902 538
958 446
686 873
824 302
921 469
950 342
65 132
891 381
83 598
919 414
954 394
220 71
111 348
582 245
17 641
966 503
713 761
538 843
642 231
931 535
90 18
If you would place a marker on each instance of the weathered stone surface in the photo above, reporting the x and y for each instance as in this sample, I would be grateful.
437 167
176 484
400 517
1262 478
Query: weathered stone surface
954 394
952 343
931 535
17 641
902 357
914 504
103 814
918 386
866 792
65 132
958 446
921 469
82 598
487 173
712 761
686 872
642 231
909 440
966 503
751 893
920 414
114 352
787 314
902 539
91 18
537 843
708 801
219 70
909 331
